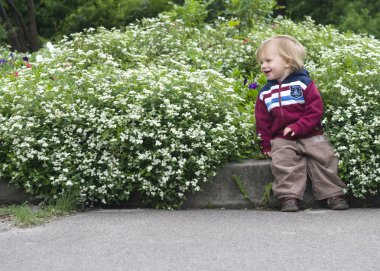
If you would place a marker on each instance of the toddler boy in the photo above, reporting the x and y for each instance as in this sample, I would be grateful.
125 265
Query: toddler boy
288 115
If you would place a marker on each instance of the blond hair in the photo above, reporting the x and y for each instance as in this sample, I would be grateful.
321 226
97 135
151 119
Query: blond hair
289 48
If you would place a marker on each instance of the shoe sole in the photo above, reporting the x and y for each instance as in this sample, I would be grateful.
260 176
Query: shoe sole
294 209
340 208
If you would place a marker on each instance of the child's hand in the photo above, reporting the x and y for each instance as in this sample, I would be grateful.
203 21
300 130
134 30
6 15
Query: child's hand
267 153
287 130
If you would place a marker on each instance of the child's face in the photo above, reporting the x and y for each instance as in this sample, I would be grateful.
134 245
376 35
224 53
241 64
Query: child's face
273 65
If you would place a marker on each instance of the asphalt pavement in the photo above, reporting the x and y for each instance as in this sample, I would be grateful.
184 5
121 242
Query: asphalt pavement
146 239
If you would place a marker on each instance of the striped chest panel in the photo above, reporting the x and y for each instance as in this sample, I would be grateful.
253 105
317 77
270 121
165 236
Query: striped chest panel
291 93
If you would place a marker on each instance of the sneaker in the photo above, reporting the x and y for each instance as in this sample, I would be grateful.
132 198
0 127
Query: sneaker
337 203
289 205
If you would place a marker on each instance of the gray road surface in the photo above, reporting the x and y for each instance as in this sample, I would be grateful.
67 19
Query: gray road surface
144 239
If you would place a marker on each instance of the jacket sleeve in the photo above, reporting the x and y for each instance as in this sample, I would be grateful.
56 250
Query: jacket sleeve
263 125
313 112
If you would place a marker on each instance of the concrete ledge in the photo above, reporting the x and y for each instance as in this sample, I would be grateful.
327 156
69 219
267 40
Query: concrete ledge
242 184
11 194
254 175
237 185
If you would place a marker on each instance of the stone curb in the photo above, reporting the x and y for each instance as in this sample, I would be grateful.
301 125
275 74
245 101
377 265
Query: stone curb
238 185
11 194
253 177
242 184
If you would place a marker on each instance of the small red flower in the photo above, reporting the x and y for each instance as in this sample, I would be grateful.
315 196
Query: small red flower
245 41
28 65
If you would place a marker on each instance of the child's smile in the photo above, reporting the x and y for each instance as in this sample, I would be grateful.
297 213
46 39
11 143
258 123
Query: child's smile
273 65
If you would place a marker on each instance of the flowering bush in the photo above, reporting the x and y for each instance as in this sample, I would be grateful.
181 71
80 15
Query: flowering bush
157 107
90 118
353 113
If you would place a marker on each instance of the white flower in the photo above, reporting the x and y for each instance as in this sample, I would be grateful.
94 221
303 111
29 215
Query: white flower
50 47
39 58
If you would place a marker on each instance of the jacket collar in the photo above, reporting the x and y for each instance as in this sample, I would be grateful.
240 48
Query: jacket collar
291 77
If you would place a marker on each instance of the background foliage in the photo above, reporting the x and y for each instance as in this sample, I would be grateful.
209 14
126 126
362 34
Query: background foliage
58 18
359 16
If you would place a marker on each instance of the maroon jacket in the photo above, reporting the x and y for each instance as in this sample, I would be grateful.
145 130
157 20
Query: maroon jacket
295 102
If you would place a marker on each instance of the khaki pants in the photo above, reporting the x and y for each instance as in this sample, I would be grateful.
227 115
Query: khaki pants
292 161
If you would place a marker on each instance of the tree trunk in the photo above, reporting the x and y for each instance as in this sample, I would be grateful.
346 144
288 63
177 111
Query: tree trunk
281 11
12 36
23 33
34 44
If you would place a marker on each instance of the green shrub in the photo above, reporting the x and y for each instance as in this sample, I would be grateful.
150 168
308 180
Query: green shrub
82 121
157 107
249 11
